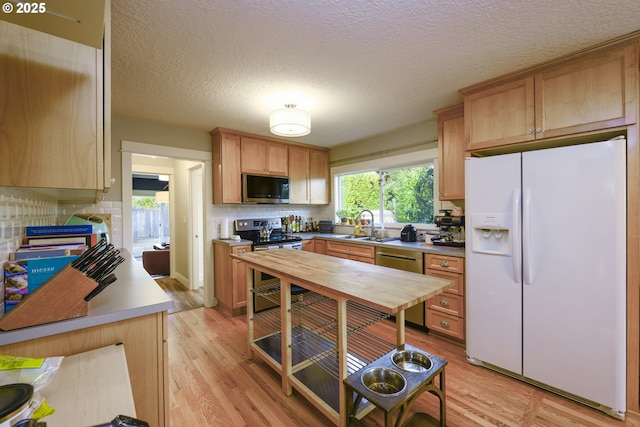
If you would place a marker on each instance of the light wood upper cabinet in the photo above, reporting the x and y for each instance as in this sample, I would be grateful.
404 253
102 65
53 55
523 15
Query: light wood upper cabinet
298 175
319 187
55 110
451 153
236 152
588 93
500 115
226 168
595 93
308 175
264 157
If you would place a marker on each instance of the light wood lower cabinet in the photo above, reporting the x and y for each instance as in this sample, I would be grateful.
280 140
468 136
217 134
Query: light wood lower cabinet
146 348
445 313
320 246
309 245
351 251
230 278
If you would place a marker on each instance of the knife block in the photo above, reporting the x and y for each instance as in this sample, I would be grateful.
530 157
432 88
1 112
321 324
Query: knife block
59 298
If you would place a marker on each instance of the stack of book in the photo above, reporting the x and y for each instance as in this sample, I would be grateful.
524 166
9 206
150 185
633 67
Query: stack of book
45 250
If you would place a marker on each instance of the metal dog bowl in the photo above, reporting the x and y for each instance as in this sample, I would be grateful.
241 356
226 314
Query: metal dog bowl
384 381
412 361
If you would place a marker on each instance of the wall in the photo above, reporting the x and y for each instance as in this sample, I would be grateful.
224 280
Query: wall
129 129
20 208
421 136
408 139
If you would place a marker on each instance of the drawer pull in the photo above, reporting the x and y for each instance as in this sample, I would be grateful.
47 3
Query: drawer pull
444 303
444 324
444 264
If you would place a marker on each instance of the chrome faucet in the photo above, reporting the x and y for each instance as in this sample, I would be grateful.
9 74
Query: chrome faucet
372 221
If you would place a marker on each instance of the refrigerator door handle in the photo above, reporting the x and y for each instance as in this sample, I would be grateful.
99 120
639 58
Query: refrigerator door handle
515 235
526 237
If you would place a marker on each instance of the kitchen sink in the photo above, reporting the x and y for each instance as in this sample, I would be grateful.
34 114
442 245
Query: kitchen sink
372 239
379 239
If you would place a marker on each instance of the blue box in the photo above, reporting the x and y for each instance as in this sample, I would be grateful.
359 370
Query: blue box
23 277
57 230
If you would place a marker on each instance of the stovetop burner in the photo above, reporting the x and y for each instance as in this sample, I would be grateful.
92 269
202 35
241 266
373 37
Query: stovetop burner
283 238
250 229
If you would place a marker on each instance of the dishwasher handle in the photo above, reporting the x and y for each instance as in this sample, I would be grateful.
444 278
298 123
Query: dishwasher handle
395 256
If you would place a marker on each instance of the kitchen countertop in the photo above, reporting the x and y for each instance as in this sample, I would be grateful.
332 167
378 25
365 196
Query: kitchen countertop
369 284
410 246
134 294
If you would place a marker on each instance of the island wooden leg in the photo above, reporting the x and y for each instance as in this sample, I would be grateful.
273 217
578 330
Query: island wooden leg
342 359
285 312
250 312
400 330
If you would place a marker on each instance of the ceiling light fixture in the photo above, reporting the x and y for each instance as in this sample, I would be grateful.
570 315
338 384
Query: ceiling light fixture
290 122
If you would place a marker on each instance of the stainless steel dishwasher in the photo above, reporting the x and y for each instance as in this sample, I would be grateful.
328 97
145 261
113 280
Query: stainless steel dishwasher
407 261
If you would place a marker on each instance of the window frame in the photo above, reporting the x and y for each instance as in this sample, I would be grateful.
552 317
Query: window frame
413 159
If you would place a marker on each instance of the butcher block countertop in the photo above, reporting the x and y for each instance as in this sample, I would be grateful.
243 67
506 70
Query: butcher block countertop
384 288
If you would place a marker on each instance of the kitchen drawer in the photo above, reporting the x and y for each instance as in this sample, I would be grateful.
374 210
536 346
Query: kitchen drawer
444 262
447 303
351 249
363 259
346 255
458 288
445 324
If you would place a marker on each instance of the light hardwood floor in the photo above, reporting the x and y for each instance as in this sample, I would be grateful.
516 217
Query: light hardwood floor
182 297
213 384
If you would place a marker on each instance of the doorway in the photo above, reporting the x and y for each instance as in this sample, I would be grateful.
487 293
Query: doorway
181 240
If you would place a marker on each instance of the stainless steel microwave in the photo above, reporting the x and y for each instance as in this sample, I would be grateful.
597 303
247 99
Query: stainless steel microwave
265 189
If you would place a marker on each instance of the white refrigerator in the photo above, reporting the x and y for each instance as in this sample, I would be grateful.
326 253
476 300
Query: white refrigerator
546 269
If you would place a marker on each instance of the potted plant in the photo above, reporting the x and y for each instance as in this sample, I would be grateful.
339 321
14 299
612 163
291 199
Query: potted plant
343 214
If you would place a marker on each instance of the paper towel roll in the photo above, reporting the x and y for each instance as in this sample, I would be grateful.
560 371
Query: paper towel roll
224 228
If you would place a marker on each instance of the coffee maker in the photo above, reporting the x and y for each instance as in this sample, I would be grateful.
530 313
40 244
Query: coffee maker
451 230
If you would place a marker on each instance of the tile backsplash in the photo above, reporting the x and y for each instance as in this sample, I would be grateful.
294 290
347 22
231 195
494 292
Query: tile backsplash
20 208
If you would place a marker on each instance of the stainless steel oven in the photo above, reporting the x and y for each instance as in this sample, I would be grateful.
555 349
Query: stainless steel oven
266 234
261 279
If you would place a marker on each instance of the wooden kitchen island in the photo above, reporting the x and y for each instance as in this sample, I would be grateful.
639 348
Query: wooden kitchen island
317 336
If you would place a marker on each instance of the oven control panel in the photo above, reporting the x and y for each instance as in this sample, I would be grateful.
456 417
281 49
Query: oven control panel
257 224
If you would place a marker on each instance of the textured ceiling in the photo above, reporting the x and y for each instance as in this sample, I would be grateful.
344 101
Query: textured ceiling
359 67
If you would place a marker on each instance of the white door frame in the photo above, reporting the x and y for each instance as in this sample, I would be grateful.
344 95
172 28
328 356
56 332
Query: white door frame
128 149
195 227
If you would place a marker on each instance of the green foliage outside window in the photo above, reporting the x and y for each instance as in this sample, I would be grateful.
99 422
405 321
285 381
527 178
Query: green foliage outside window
144 202
408 194
360 191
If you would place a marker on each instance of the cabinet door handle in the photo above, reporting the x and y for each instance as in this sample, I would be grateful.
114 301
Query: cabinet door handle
444 324
444 264
538 130
529 131
444 303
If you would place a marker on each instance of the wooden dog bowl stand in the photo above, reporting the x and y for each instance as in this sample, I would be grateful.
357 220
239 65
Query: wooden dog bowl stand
417 383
